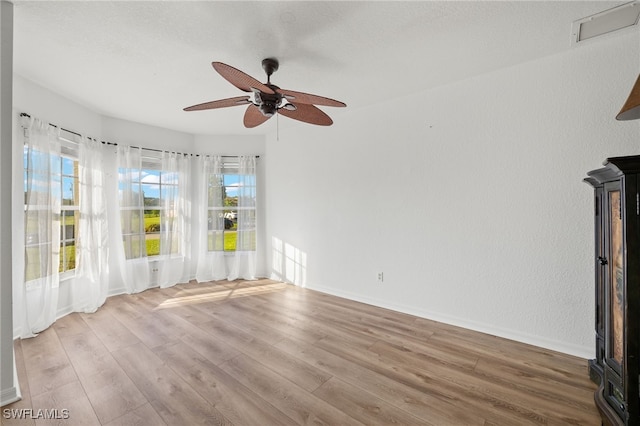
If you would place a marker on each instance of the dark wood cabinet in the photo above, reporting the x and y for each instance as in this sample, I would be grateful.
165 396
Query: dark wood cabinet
617 290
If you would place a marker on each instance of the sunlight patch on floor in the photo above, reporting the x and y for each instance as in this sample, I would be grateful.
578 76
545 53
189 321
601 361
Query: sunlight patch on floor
217 295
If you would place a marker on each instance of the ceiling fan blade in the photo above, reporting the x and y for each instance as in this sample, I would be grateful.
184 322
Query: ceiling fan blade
253 117
222 103
239 79
308 114
305 98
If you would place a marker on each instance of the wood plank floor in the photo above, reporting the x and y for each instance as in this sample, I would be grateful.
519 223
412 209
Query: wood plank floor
267 353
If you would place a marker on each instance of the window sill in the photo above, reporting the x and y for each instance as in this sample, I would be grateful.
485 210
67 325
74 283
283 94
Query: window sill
37 283
68 275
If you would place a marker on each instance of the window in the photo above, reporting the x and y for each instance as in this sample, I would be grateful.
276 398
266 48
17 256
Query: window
69 213
143 196
51 186
231 201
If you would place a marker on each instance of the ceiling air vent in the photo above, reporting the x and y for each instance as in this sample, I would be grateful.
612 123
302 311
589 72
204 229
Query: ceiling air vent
608 21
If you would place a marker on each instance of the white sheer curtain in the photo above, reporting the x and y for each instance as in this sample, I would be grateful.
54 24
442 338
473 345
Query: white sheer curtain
243 264
174 264
131 256
36 300
210 219
110 237
91 284
168 173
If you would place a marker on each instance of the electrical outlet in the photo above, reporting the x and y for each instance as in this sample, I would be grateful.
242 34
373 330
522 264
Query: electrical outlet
380 277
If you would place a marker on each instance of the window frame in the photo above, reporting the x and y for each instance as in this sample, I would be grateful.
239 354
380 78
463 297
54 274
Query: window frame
150 166
68 151
230 168
73 208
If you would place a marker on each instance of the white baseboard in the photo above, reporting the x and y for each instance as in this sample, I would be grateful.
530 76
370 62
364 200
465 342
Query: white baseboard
11 395
554 345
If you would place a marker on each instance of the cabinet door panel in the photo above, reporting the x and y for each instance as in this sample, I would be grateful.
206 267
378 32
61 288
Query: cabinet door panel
615 278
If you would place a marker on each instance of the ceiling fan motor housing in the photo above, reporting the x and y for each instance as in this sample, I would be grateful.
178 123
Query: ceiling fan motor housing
269 103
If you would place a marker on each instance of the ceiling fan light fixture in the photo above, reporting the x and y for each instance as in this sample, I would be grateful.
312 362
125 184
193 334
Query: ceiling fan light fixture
268 109
631 109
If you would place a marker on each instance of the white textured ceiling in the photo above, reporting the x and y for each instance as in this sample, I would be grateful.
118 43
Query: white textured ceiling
145 61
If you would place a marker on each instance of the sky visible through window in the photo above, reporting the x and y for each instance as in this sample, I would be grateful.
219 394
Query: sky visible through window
66 181
151 179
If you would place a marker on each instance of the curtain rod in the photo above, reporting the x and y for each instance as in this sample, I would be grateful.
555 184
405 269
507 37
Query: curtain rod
24 114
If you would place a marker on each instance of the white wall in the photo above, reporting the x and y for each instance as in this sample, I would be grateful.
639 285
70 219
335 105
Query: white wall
468 197
38 101
9 386
230 144
123 132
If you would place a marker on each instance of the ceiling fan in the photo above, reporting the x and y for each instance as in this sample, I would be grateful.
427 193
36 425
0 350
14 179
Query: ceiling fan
269 99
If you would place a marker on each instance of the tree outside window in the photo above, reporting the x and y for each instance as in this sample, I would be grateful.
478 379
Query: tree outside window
223 210
143 211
